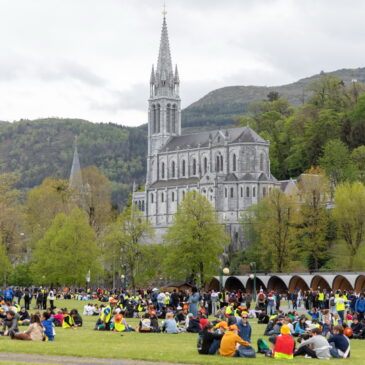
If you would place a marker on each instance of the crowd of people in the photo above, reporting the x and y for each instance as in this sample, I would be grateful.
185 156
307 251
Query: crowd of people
317 324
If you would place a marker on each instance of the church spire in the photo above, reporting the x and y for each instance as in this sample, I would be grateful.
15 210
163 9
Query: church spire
164 64
75 175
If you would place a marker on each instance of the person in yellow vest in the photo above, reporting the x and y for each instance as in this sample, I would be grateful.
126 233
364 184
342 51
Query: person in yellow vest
321 299
340 307
120 324
284 344
105 320
68 320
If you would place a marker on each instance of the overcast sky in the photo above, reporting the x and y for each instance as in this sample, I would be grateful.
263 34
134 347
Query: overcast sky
92 59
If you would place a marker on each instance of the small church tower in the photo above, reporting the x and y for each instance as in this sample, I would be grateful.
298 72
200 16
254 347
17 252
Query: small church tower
164 115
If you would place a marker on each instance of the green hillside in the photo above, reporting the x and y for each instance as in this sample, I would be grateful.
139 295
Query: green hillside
221 107
40 148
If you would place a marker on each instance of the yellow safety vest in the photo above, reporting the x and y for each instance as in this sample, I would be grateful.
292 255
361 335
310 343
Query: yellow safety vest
321 297
229 309
119 327
71 320
106 317
340 306
280 355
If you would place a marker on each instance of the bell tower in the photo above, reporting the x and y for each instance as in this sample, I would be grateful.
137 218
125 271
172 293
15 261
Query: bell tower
164 111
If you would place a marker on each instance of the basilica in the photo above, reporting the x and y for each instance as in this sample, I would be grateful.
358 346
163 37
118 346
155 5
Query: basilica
231 167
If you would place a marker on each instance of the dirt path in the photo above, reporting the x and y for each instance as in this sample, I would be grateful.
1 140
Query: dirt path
49 359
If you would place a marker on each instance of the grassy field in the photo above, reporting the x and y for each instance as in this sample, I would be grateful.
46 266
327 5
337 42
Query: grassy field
84 342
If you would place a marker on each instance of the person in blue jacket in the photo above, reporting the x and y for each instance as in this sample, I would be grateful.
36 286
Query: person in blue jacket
8 294
360 307
340 344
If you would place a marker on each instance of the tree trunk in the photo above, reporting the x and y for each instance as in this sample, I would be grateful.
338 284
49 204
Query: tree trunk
201 265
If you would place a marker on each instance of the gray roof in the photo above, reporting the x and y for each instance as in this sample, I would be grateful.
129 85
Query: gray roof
174 182
231 177
234 135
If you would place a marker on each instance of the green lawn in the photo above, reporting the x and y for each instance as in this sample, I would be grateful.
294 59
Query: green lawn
84 342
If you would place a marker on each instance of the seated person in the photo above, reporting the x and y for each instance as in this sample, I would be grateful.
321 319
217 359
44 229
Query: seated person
263 318
244 328
145 324
357 328
68 320
10 324
170 325
284 344
193 324
229 342
340 344
180 316
314 313
209 340
300 326
24 317
120 324
35 331
316 346
47 323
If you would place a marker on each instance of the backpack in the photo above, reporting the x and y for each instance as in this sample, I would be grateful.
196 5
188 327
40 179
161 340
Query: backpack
246 351
262 346
261 297
199 343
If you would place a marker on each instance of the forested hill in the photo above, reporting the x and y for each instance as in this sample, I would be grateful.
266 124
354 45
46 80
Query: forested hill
221 107
40 148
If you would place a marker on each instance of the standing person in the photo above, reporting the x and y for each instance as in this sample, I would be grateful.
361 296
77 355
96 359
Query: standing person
35 331
39 299
340 306
8 294
51 298
277 301
215 299
270 304
27 298
248 300
175 299
193 301
360 307
18 295
45 296
261 300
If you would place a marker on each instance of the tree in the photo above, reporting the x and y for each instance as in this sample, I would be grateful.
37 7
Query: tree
355 136
349 213
274 219
11 217
67 251
337 163
44 203
124 242
358 160
314 218
5 266
195 240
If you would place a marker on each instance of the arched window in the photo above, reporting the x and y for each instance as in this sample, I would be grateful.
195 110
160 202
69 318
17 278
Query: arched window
247 192
241 192
142 205
152 198
225 192
173 169
172 196
264 191
205 165
221 163
173 119
154 127
217 164
183 168
162 170
168 117
232 192
194 166
254 192
261 162
158 115
162 197
234 162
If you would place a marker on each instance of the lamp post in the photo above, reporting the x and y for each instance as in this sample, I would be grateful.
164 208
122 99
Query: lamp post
123 279
88 278
253 276
224 271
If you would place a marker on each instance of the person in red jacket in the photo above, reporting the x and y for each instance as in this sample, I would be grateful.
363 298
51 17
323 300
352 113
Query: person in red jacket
284 345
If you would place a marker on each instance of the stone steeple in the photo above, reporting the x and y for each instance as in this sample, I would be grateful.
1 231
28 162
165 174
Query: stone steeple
75 181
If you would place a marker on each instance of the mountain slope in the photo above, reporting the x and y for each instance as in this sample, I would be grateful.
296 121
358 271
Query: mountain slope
221 107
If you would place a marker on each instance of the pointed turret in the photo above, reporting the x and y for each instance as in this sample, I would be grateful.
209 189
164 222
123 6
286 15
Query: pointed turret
75 175
164 64
176 77
152 78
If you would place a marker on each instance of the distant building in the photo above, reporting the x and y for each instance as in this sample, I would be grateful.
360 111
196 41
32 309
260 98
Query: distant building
231 167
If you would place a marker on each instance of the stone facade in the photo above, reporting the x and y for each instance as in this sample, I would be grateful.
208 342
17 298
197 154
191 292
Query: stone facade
231 167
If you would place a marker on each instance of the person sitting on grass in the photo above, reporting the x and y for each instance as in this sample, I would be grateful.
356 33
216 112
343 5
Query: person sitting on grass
230 342
316 346
209 340
145 324
300 326
10 324
170 325
193 324
244 328
35 331
284 344
120 324
24 317
358 329
340 344
47 323
69 321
